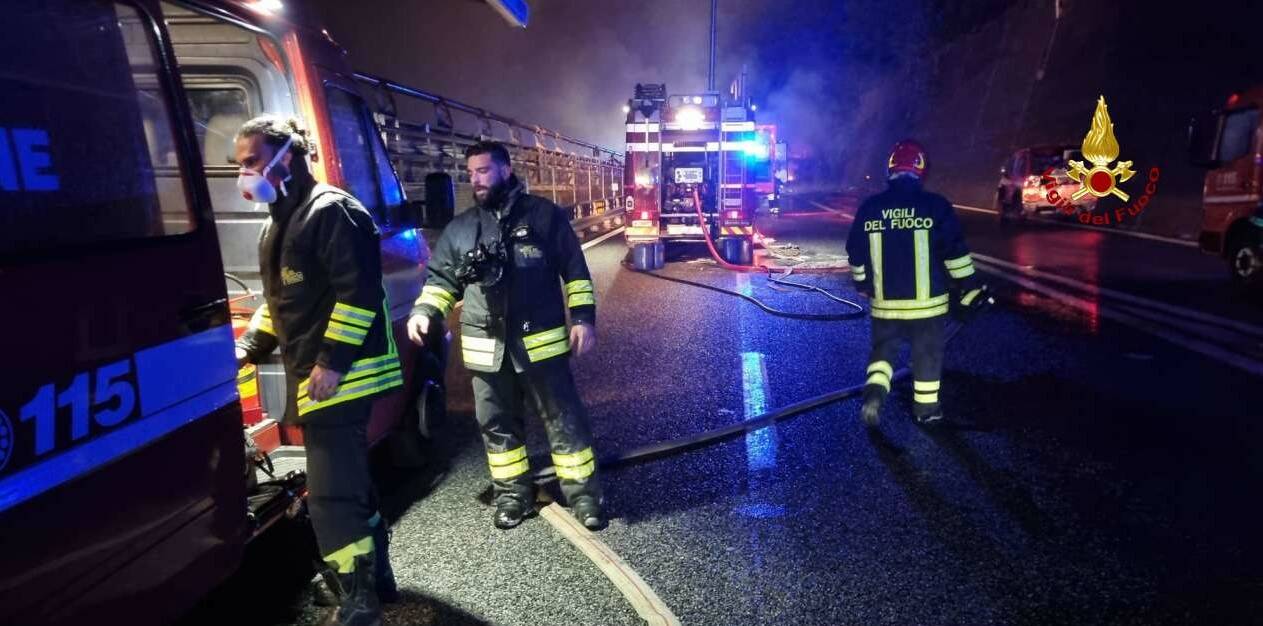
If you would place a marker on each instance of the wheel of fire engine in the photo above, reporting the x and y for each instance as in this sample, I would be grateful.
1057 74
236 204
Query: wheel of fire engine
737 250
1245 259
647 256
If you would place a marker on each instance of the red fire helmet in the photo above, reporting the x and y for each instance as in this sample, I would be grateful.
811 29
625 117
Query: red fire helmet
907 157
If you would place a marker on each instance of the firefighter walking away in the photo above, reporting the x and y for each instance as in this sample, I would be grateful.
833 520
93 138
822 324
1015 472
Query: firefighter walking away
516 262
325 307
908 255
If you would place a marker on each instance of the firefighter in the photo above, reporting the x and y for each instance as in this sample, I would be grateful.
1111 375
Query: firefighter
908 256
517 263
324 305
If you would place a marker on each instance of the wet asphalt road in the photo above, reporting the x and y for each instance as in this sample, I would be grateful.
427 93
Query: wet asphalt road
1089 473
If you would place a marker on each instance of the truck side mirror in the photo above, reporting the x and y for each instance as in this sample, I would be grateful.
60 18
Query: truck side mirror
440 200
1204 132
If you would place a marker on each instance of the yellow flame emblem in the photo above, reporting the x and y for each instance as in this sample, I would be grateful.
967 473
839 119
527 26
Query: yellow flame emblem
1100 147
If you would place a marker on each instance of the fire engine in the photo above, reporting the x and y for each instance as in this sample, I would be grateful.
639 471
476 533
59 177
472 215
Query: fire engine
682 149
1228 144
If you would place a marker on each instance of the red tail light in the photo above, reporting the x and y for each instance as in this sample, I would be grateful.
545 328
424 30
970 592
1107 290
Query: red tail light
734 215
644 215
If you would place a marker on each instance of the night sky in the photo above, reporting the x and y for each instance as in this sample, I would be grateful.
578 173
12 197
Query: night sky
844 80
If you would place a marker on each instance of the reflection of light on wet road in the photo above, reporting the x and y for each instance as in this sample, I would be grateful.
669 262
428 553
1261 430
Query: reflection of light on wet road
1076 251
761 444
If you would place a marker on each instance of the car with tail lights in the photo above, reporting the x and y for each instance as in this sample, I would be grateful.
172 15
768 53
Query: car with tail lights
1028 177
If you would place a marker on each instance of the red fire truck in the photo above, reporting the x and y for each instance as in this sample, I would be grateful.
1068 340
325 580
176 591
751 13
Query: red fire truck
686 147
1227 142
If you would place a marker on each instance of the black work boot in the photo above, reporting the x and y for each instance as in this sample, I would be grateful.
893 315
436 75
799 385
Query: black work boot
358 603
510 512
587 509
870 413
387 591
324 587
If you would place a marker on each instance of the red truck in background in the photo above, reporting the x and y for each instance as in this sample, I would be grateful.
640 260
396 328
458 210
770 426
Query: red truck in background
684 147
1228 143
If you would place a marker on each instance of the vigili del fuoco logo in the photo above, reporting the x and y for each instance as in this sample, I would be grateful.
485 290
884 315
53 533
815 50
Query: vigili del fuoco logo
1100 148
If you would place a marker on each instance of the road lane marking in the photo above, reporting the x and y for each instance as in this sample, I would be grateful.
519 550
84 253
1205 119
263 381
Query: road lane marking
1112 231
638 593
1134 320
845 216
1207 318
602 238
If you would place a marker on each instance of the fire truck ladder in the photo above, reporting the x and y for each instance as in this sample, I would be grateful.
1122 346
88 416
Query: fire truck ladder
732 178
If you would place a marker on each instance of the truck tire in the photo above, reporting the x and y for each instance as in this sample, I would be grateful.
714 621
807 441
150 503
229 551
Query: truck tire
1245 259
408 443
647 256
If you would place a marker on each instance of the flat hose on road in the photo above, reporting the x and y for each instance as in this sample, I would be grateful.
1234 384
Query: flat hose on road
711 437
710 245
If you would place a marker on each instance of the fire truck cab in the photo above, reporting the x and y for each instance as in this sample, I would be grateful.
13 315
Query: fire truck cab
1228 142
685 149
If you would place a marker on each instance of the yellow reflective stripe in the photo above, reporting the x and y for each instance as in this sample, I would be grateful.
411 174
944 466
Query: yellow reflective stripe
575 459
878 303
261 321
578 286
925 385
859 272
443 307
921 243
346 334
878 378
437 297
505 472
478 350
881 366
549 351
343 559
970 297
361 368
925 398
481 344
364 317
506 457
964 272
546 337
347 319
581 299
958 262
577 472
360 389
918 314
875 255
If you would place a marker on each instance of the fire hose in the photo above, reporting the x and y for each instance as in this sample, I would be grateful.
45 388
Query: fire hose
707 438
857 313
641 454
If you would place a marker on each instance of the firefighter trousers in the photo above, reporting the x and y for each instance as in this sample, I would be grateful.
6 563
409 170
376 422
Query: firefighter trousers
499 403
926 339
341 497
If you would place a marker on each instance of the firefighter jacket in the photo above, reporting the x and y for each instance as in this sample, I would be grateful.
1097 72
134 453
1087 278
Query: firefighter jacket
524 313
907 250
320 259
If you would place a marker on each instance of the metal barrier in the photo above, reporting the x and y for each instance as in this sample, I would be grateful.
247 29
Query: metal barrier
427 133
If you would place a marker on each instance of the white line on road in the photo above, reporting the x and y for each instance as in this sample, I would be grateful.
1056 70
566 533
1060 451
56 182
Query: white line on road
1109 231
602 238
638 593
1251 365
845 216
1208 318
